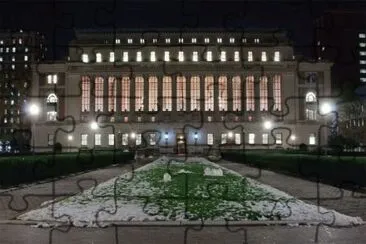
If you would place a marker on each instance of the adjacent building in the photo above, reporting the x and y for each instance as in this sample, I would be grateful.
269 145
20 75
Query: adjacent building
18 51
180 92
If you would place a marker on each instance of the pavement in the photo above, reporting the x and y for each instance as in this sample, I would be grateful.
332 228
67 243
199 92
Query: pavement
30 197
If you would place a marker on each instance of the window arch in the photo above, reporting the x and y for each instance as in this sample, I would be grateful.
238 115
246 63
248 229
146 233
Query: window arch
52 98
310 97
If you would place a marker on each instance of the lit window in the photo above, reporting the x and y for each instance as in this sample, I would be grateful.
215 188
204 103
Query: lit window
363 71
138 57
180 40
84 139
155 40
236 56
129 41
54 79
153 93
310 97
194 40
210 139
251 138
277 98
250 93
223 56
181 56
20 41
26 49
49 79
250 56
26 66
97 139
85 94
85 58
152 56
139 93
166 56
167 40
167 93
99 57
99 91
118 41
181 93
363 79
237 138
111 139
362 35
7 49
207 40
13 66
265 138
256 40
209 93
236 93
276 56
232 40
362 61
195 93
51 116
222 93
138 139
25 58
264 57
263 94
312 139
278 137
50 139
13 59
152 139
1 42
219 40
363 53
125 99
111 57
125 56
13 49
112 92
209 56
223 138
310 114
142 41
5 120
1 49
195 56
125 139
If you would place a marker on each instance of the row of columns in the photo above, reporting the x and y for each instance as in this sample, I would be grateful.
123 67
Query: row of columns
188 92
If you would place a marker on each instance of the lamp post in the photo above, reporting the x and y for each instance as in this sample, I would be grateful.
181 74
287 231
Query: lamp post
166 136
195 142
34 111
325 109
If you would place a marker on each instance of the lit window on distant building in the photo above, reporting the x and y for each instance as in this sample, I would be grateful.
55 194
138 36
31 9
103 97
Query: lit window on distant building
180 40
166 56
209 56
154 40
111 139
276 56
362 35
49 79
232 40
277 93
210 139
51 116
99 57
25 58
129 41
222 93
195 56
85 58
251 138
195 93
54 79
236 56
139 94
256 40
152 56
125 99
250 93
219 40
118 41
153 93
209 93
181 56
14 49
181 93
138 57
250 56
312 139
85 94
264 57
167 93
207 40
237 138
236 93
152 139
362 53
13 59
112 93
125 57
194 40
111 57
278 137
310 114
265 138
263 94
99 91
167 40
97 139
84 139
223 56
142 41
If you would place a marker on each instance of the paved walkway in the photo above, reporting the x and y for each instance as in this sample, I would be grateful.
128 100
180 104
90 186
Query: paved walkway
36 194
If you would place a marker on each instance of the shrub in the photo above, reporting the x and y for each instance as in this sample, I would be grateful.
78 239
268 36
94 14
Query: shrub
303 147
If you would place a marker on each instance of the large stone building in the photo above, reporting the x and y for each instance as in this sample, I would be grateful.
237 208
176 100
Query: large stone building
18 50
180 92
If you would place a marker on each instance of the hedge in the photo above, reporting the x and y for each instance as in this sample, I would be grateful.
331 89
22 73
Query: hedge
338 171
16 170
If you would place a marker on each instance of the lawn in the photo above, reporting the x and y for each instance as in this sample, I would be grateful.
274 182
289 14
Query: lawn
180 191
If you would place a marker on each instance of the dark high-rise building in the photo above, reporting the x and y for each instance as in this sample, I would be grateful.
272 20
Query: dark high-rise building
18 50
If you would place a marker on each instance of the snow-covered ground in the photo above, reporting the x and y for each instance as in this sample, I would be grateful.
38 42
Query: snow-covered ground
91 208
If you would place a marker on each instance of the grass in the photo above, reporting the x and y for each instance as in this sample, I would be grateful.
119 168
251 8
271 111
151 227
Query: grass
192 195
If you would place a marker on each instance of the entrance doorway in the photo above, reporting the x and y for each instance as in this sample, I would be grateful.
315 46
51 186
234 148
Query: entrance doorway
181 144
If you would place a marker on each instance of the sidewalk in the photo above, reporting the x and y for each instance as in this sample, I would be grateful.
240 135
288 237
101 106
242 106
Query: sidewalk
330 197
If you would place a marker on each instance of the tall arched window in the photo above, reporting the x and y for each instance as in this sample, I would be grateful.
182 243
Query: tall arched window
310 97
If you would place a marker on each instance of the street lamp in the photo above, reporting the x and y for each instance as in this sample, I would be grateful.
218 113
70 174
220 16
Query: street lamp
34 111
326 108
293 137
166 136
267 125
195 141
